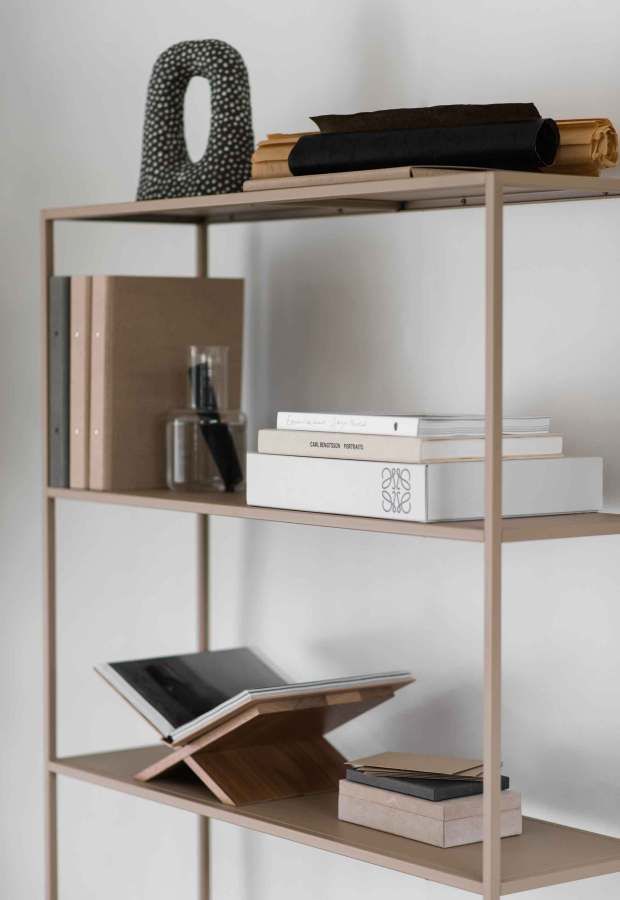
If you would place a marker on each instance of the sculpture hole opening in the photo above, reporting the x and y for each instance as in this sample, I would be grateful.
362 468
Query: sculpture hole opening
197 117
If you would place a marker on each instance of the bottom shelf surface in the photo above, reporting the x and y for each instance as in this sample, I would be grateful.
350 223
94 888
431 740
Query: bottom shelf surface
545 854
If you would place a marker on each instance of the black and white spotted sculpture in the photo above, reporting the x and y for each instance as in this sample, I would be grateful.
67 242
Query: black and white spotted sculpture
166 169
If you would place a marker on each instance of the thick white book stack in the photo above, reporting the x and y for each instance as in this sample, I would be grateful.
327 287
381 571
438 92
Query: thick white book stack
416 468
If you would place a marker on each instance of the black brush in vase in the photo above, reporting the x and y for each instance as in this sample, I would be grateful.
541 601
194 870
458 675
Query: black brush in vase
216 433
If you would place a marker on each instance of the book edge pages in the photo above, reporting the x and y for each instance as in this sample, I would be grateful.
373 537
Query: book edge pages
203 723
427 417
407 425
389 448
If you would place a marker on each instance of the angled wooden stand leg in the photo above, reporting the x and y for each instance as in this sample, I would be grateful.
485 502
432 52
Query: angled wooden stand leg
269 772
493 541
272 749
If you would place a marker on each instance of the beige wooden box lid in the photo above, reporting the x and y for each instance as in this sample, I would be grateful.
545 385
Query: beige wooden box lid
446 810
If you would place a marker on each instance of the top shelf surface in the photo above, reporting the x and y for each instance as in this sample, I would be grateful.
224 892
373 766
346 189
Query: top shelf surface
443 191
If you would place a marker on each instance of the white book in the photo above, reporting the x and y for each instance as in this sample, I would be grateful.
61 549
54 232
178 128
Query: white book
407 425
422 492
387 448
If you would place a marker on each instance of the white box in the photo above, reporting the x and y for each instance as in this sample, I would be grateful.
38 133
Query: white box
422 492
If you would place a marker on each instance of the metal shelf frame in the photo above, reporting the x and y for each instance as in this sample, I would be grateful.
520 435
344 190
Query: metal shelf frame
489 189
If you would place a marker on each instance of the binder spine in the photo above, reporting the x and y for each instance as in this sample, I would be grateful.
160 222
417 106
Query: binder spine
81 287
99 455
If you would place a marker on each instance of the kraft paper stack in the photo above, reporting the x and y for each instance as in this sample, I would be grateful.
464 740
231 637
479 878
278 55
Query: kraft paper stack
270 159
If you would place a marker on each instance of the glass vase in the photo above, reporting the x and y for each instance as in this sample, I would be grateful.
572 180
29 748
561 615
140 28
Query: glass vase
206 442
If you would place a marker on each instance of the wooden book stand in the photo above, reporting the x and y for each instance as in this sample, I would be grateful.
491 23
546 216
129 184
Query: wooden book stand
273 749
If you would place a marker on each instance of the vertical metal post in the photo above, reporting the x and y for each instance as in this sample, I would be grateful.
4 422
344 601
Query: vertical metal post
202 250
202 618
49 589
202 611
493 539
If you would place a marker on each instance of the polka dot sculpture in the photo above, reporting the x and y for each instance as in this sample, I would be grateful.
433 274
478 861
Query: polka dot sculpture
166 169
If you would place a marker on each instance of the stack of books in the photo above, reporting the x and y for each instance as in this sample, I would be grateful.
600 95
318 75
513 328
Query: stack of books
420 468
433 799
493 136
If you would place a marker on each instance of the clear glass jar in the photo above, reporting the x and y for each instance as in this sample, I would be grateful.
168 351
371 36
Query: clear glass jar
205 443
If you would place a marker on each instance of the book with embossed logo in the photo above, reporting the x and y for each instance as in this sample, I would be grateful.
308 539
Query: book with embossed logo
422 492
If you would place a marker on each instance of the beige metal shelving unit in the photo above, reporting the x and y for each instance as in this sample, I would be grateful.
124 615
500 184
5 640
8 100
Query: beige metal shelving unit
546 853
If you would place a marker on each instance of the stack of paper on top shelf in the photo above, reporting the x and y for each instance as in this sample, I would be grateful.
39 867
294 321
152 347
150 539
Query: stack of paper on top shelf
415 467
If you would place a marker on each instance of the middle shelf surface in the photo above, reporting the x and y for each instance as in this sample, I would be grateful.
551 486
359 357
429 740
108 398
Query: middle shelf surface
545 854
530 528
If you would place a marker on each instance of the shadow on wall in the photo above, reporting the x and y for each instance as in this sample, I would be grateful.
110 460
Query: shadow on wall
388 73
366 313
561 778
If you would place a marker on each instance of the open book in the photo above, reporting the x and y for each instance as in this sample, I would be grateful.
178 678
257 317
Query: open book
184 696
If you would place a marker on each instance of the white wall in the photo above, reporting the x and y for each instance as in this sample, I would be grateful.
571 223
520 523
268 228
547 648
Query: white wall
378 312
